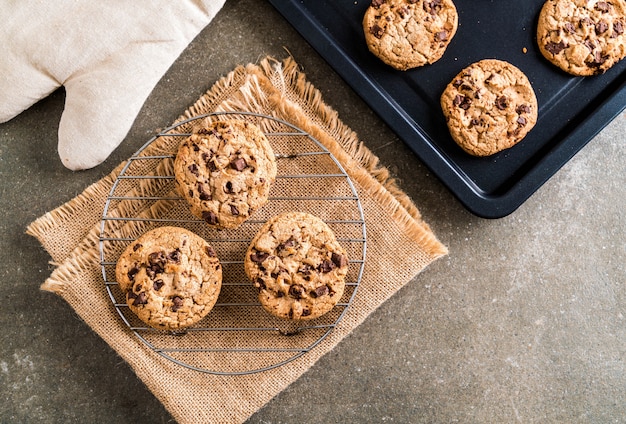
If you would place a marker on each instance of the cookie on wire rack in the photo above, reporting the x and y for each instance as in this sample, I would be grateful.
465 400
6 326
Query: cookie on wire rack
297 265
170 276
224 171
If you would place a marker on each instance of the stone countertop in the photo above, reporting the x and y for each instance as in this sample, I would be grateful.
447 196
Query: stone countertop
524 320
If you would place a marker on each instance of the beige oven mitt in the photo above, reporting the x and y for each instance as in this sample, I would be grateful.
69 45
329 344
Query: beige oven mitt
109 55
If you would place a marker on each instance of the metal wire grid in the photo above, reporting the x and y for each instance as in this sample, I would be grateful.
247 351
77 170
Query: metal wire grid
237 336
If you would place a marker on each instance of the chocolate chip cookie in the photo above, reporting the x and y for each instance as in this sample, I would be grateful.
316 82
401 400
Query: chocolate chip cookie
171 277
407 34
298 266
489 106
582 37
224 170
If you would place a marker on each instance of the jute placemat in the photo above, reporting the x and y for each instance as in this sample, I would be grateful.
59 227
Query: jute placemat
400 245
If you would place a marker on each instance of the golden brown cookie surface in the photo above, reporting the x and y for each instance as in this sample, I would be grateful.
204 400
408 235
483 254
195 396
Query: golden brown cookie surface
171 277
406 34
582 37
224 171
489 106
298 266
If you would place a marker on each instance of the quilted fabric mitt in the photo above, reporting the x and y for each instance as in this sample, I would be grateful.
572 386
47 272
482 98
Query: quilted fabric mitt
108 54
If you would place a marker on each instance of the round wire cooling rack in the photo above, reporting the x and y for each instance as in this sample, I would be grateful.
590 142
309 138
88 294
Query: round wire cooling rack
238 336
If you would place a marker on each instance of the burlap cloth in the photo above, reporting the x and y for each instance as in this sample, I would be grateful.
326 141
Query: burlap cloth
399 245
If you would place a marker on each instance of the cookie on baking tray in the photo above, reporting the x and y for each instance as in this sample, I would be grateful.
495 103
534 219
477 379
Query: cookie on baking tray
407 34
171 277
582 37
489 106
298 266
224 170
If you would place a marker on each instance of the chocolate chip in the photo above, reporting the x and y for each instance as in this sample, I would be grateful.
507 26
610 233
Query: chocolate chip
174 256
206 157
521 121
601 27
378 3
339 260
203 131
258 257
457 83
212 166
158 284
141 299
280 294
326 266
441 35
602 6
570 27
210 217
464 102
132 273
618 27
131 295
305 312
234 210
210 251
403 11
377 31
195 147
555 48
191 193
228 187
433 7
238 164
523 108
296 291
203 193
502 102
193 168
177 303
137 246
157 258
321 291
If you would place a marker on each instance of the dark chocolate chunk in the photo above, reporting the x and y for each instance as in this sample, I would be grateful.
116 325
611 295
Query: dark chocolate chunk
326 266
523 108
618 27
258 257
339 260
228 187
376 31
502 102
555 48
193 168
464 102
174 256
210 217
569 27
259 283
234 210
141 299
378 3
203 193
321 291
296 291
441 35
238 164
177 303
158 284
601 27
210 251
521 121
132 273
602 6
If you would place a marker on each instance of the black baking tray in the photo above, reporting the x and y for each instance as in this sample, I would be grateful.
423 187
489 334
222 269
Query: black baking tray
572 110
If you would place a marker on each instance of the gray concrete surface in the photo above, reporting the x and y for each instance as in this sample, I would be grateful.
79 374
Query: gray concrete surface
524 321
